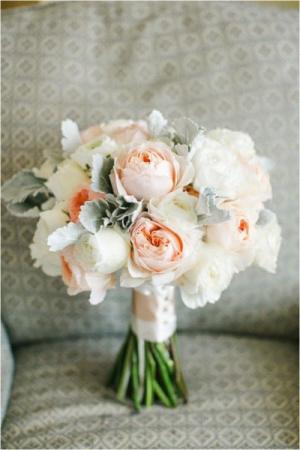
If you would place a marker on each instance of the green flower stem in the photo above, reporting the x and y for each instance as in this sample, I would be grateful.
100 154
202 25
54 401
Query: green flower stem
115 373
125 374
135 382
178 371
141 347
164 375
146 372
161 395
165 356
150 376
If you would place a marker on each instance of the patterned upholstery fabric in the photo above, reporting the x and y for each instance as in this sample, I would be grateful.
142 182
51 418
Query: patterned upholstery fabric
225 64
7 370
243 394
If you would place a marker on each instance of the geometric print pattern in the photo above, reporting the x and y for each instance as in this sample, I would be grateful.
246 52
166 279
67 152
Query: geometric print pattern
226 64
242 394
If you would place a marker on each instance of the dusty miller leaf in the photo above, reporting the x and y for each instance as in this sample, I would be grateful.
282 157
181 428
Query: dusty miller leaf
208 210
26 194
64 236
23 210
157 124
93 215
21 185
102 166
108 212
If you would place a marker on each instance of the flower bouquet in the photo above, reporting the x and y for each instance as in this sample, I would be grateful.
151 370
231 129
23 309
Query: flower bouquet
149 205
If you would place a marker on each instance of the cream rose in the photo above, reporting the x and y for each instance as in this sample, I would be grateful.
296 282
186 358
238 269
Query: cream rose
175 207
102 145
268 241
105 251
68 178
122 132
226 161
108 139
78 280
150 170
49 221
209 277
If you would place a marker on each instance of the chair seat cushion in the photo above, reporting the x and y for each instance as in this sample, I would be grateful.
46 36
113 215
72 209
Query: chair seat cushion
243 394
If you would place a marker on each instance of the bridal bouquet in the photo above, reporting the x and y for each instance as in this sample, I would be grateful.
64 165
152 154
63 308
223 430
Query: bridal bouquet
149 205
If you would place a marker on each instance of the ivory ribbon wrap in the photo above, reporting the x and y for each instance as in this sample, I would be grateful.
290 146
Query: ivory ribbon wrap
153 315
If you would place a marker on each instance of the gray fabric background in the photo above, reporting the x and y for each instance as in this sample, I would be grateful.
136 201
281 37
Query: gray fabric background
226 64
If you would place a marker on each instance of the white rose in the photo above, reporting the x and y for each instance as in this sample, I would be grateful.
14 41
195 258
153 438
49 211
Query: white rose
49 221
175 207
105 251
68 178
226 161
239 143
211 275
102 145
268 240
219 168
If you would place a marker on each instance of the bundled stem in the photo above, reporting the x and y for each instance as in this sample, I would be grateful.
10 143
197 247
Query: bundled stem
158 377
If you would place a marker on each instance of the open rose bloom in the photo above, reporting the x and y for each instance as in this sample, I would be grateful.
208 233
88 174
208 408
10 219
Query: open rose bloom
149 205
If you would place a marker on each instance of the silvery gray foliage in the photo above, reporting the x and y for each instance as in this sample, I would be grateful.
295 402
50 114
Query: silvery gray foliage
26 194
102 166
110 211
64 236
207 208
157 124
185 131
180 133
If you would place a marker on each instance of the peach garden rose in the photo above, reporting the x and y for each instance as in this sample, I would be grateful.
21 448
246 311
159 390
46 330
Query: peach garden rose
150 170
79 198
158 252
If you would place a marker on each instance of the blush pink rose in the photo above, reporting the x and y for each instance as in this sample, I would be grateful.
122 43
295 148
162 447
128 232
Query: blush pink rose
90 134
124 132
147 171
78 280
79 198
155 247
238 234
235 234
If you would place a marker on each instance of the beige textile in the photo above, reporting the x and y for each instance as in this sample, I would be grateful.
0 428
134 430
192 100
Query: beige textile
243 394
